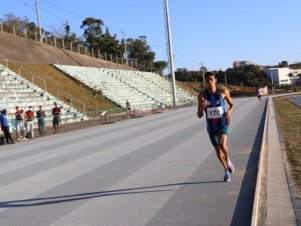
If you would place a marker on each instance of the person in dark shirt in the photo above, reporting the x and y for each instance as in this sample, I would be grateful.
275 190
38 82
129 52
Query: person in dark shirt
128 107
56 111
41 115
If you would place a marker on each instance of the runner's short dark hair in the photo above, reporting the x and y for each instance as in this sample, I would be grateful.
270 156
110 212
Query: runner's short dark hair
209 73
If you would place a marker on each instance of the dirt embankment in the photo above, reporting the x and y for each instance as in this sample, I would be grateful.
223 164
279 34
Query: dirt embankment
16 48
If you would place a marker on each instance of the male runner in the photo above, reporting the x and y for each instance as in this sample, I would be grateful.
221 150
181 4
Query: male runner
212 101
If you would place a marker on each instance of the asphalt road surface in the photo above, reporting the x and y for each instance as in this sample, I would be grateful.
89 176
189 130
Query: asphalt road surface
157 170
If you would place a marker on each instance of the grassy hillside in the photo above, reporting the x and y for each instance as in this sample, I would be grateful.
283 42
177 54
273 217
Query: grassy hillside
57 80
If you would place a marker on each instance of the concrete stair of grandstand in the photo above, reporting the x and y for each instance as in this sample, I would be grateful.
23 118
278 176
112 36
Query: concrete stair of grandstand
17 91
111 87
165 84
144 90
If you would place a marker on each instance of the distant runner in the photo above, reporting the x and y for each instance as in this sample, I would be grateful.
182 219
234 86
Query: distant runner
259 94
212 101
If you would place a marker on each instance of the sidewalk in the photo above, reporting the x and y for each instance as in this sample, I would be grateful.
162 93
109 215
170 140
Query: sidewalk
276 200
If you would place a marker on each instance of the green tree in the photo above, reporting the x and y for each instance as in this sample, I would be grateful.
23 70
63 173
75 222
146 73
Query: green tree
110 44
10 21
139 50
159 66
92 31
70 37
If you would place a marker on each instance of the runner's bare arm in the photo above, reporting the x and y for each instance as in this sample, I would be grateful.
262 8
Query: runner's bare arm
201 106
228 98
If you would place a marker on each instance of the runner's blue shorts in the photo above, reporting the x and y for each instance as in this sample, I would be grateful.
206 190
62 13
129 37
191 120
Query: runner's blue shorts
214 135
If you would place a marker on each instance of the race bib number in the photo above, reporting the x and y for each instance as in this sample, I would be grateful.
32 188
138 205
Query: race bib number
215 112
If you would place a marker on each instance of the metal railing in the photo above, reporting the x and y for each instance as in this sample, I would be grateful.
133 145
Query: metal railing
59 91
33 76
6 60
71 98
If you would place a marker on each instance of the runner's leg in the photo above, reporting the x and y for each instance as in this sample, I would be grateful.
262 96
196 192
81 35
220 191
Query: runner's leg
220 155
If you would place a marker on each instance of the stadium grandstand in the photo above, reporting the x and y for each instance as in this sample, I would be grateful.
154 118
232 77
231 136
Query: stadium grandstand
117 83
144 90
17 91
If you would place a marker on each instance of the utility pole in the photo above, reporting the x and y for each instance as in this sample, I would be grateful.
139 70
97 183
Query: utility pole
125 50
39 25
172 72
225 78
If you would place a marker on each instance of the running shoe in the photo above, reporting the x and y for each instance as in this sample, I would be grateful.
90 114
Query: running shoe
230 166
227 176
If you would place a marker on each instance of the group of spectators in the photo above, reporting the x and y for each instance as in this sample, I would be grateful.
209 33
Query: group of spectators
24 125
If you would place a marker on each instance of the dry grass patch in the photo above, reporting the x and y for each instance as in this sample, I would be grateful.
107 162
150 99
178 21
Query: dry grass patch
289 120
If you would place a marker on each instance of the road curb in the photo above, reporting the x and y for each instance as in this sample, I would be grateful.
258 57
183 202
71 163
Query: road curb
260 169
294 198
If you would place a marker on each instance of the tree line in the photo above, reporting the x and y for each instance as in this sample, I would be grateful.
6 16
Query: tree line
249 76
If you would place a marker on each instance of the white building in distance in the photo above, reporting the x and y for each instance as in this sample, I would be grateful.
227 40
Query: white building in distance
283 76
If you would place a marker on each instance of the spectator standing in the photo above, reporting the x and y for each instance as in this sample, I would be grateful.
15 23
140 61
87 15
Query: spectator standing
22 124
5 127
29 115
41 115
56 112
18 122
128 107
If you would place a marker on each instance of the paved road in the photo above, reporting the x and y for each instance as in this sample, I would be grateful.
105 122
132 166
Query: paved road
158 170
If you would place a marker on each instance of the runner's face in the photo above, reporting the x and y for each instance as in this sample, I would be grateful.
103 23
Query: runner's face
211 81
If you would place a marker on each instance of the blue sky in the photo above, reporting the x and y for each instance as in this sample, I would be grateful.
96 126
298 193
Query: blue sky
212 32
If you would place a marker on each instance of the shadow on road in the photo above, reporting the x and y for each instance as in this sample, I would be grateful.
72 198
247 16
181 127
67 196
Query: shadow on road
90 195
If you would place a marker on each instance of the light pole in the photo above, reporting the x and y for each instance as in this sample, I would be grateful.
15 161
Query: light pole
39 25
170 56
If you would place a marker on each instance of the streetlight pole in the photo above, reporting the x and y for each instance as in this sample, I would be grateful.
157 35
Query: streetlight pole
38 17
170 56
